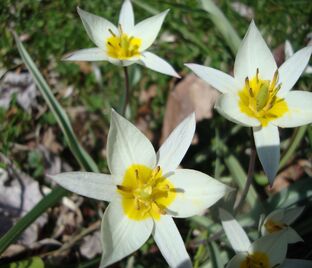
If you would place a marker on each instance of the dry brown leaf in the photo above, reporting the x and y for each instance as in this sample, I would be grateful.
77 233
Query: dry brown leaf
288 176
192 94
49 141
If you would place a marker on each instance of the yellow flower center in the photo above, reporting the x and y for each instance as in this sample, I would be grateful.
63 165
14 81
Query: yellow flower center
122 46
258 99
272 226
145 192
256 260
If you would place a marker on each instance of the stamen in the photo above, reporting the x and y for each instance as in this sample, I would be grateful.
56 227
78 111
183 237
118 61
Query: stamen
111 32
247 82
124 188
110 44
257 75
274 80
120 29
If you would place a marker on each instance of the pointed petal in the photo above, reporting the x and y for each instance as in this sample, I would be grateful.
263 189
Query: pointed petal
227 105
252 54
127 146
291 69
268 148
299 110
286 216
120 235
295 263
288 50
196 192
94 185
293 236
148 29
97 27
236 260
219 80
88 54
274 245
170 243
234 232
153 62
126 17
172 151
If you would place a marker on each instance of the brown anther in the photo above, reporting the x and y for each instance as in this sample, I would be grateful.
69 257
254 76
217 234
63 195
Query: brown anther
136 171
257 75
120 28
247 82
123 188
110 44
111 32
251 92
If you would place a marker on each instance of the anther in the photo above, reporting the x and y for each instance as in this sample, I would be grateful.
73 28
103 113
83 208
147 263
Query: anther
257 75
111 32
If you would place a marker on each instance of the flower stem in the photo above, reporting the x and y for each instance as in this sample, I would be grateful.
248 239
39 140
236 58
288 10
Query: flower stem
250 174
127 91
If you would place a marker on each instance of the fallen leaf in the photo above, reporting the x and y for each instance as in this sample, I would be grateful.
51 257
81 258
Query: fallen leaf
192 94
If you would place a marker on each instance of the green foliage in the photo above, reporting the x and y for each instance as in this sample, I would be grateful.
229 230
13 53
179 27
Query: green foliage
35 262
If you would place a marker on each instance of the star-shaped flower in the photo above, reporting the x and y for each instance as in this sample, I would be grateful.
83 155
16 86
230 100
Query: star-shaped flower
267 252
280 220
124 44
145 191
259 95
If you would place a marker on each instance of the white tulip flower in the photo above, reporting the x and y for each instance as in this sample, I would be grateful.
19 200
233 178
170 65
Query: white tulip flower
266 252
124 44
145 191
280 220
259 95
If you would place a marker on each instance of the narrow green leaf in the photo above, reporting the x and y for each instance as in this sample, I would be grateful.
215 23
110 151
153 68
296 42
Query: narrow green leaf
223 25
294 143
80 154
240 177
35 262
48 201
215 255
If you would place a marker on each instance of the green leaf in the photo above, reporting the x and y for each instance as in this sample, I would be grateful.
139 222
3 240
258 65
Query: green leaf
294 143
34 262
240 177
215 255
80 154
222 24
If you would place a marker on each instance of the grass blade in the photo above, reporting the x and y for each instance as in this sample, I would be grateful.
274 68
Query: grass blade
80 154
223 25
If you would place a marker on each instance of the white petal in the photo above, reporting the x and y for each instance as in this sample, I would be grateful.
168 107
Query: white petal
148 29
227 105
293 236
274 245
219 80
126 17
126 146
288 49
296 263
268 148
286 216
97 27
120 235
252 54
170 243
236 261
172 151
196 191
94 185
291 69
234 232
88 54
153 62
300 110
